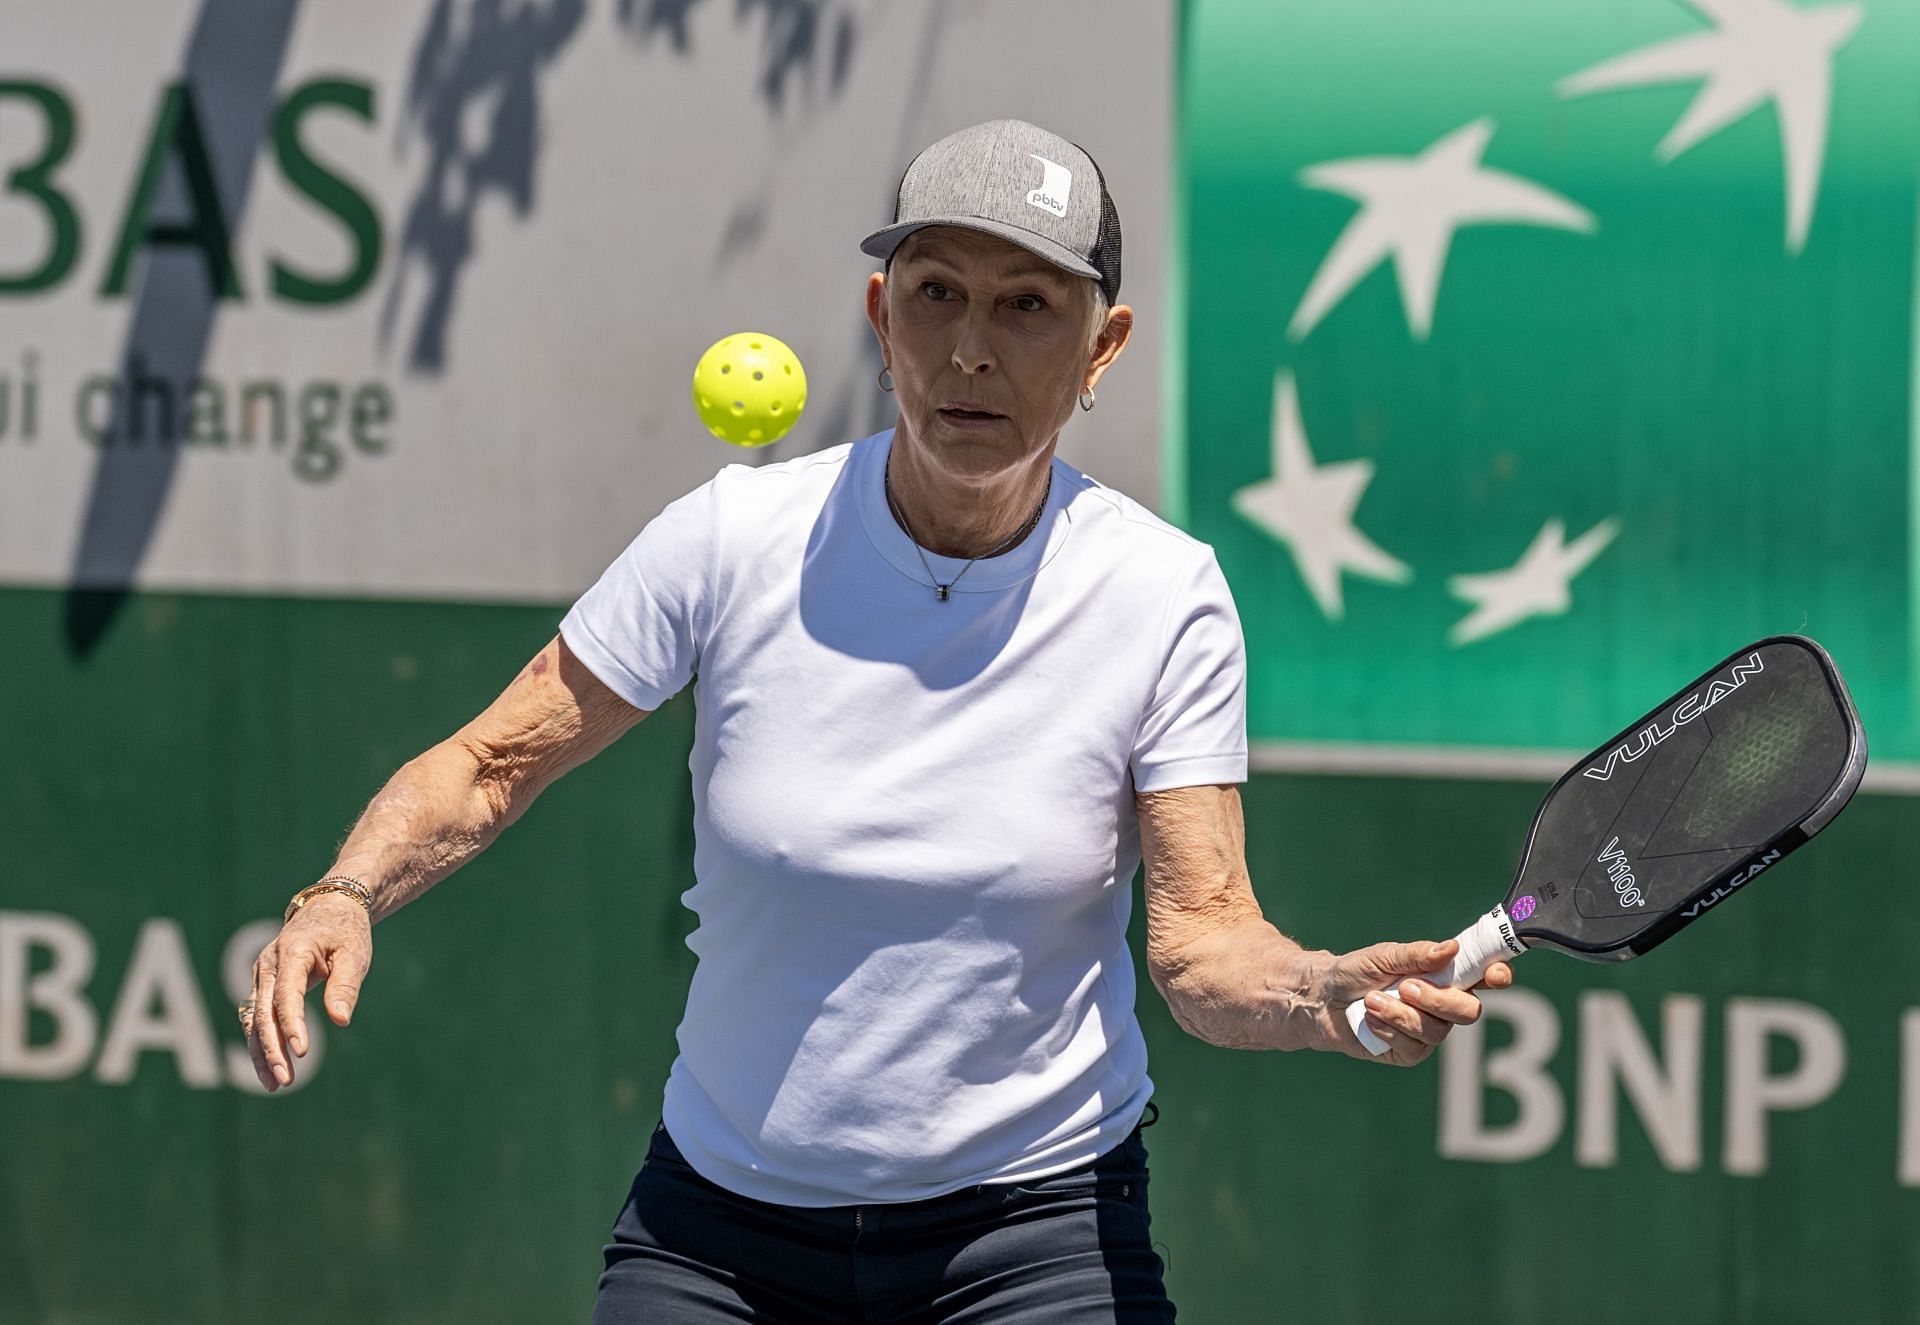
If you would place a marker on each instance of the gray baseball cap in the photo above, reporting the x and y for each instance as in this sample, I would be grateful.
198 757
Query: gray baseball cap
1015 180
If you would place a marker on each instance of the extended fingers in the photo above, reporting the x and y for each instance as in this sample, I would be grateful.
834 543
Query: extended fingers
278 1026
257 1051
344 981
290 1000
263 1034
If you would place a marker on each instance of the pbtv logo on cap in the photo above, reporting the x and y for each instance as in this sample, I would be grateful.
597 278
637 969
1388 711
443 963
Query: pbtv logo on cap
1055 187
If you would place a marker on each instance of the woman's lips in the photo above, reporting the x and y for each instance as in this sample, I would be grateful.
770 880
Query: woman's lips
970 418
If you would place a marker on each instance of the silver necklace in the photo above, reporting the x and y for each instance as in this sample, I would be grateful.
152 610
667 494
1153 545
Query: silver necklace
940 590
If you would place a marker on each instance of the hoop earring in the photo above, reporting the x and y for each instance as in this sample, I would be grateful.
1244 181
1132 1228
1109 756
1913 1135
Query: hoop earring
1086 399
885 379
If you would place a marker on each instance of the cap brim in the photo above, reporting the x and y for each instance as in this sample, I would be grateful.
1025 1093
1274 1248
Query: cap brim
881 243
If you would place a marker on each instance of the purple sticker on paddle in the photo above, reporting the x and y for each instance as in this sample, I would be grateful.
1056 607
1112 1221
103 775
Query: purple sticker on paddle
1523 908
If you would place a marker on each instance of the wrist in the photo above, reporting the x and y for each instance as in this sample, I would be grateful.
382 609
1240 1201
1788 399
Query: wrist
1285 1000
1321 1025
333 885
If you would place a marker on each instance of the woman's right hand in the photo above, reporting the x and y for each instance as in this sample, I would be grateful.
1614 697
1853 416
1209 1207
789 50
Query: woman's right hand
331 939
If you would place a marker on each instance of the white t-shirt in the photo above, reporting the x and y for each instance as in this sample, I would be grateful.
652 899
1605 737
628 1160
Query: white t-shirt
915 835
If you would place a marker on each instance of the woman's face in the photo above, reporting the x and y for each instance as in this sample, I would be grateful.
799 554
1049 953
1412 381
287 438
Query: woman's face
990 347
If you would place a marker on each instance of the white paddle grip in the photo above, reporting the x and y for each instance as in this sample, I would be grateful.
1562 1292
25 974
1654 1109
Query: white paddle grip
1487 940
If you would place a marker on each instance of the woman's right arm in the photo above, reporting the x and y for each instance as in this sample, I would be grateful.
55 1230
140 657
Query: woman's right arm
435 814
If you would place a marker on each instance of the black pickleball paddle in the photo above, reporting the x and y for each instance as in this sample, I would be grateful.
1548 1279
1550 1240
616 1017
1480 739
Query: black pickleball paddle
1675 814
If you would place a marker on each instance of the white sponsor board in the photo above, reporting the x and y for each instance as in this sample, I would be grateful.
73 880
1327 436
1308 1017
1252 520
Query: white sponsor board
402 300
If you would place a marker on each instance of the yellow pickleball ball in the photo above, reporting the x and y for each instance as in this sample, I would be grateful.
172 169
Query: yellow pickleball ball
749 388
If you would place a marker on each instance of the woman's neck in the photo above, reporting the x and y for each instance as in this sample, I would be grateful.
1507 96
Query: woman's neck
960 519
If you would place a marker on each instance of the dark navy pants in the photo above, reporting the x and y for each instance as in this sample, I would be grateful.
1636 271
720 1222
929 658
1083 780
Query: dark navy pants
1072 1249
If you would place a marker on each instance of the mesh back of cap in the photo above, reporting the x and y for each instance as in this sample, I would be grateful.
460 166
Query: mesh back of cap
1106 249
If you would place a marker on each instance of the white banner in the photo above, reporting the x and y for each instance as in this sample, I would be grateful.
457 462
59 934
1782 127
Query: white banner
360 298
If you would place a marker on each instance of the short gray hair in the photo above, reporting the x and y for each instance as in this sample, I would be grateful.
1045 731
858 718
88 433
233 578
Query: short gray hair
1101 306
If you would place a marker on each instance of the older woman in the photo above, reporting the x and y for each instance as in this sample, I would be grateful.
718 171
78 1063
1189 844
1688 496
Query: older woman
950 692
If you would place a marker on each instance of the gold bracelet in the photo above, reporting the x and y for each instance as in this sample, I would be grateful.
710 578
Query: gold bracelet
335 883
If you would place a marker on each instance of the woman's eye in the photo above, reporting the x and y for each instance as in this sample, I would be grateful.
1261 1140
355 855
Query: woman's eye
1029 303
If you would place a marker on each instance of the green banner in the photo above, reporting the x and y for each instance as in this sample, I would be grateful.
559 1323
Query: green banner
458 1153
1728 1130
1535 359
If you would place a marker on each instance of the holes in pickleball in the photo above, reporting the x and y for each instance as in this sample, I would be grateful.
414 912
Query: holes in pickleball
726 367
775 407
754 436
754 344
739 407
757 374
787 368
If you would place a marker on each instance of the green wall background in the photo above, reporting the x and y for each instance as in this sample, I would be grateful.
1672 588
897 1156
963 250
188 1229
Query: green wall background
462 1149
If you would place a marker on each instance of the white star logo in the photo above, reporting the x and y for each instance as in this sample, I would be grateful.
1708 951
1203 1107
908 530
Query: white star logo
1536 585
1410 207
1760 50
1310 508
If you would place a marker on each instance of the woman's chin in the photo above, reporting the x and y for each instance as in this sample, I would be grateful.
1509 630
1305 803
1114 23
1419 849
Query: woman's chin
972 459
969 454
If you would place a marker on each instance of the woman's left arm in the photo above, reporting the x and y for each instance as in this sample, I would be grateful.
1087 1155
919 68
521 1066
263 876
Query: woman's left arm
1232 979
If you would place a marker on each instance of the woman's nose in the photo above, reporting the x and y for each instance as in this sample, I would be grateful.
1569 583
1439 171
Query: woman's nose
972 352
